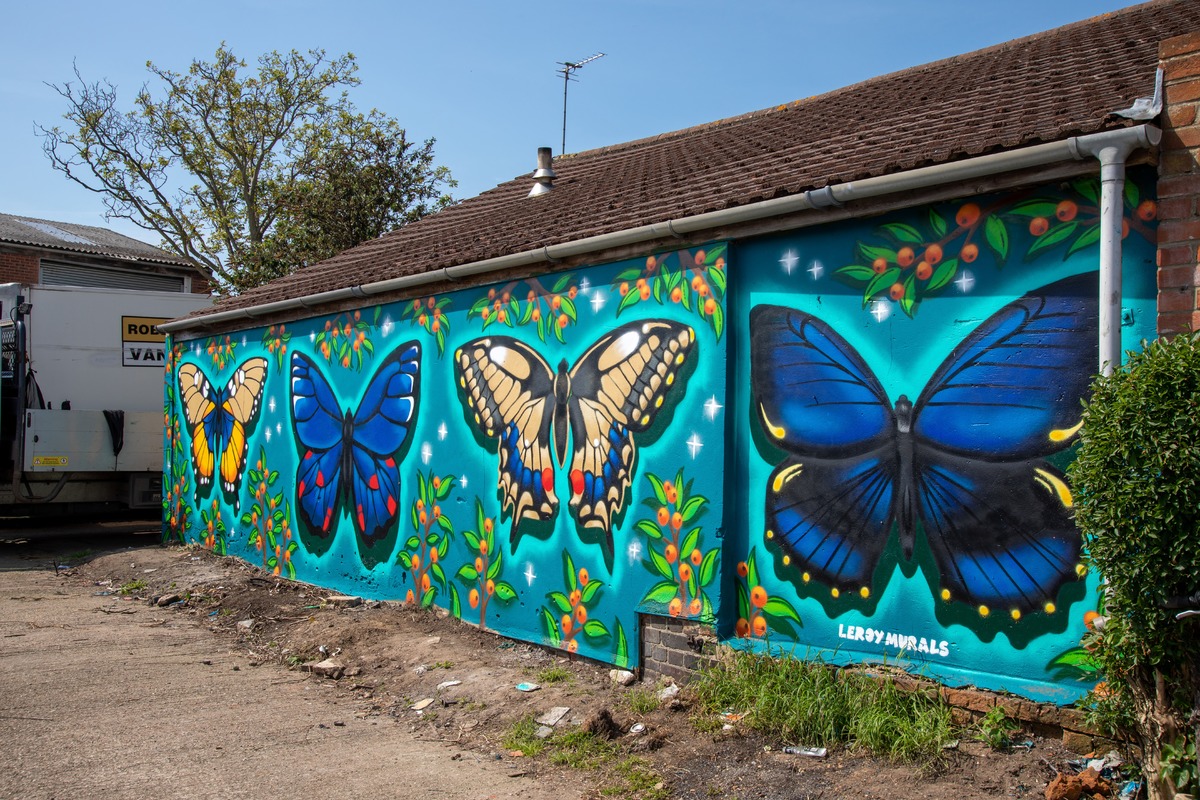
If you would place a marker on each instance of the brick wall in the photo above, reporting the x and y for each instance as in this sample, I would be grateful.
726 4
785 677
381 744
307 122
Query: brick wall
1179 188
674 648
18 268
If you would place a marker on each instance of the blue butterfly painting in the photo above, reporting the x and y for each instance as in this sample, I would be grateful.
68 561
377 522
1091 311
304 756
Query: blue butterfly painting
964 464
220 422
348 458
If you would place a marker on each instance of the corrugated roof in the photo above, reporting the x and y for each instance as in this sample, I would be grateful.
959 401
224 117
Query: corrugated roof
88 239
1037 89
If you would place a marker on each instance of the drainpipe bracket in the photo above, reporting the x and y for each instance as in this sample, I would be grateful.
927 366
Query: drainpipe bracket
822 198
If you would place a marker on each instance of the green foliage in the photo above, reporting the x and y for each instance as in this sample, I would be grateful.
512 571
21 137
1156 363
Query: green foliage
554 674
523 736
995 728
1137 504
811 703
642 701
1179 765
250 174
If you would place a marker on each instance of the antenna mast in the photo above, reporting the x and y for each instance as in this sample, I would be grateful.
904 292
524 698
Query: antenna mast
569 67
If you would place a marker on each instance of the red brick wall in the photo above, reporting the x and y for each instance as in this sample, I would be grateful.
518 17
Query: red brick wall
1179 188
18 268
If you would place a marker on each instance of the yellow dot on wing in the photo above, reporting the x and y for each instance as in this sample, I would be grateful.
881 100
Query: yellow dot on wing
984 611
1062 434
770 534
787 560
1050 608
864 592
946 595
1080 570
835 592
1015 613
806 577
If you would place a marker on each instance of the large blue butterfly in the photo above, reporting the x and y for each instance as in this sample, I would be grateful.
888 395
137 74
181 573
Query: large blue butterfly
219 422
964 461
350 458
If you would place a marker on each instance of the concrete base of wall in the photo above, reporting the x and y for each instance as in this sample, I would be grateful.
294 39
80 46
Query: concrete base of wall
675 648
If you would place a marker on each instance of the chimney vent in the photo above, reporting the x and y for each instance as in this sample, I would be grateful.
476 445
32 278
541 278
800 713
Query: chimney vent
544 175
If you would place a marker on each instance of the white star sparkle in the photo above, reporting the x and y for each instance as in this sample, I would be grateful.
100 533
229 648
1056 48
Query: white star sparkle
279 427
463 481
271 405
426 452
312 336
965 282
442 432
598 301
243 341
694 444
789 261
585 285
386 327
267 435
816 270
634 551
711 407
880 311
530 575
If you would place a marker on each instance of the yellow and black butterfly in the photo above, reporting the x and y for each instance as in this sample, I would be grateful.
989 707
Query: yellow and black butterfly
219 421
614 391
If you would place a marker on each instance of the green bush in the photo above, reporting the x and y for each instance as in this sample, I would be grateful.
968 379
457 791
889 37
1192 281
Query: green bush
1137 503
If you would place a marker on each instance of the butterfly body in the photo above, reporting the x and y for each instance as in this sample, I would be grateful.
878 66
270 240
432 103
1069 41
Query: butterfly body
348 457
219 421
536 413
963 465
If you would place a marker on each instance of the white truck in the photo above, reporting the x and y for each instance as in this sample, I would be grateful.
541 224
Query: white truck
81 397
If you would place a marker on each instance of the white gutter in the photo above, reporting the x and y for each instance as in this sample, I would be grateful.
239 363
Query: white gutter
1111 147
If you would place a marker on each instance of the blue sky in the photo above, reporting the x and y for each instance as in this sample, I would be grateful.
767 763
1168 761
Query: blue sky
481 77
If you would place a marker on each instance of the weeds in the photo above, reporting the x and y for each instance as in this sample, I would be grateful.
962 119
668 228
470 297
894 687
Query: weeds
641 701
523 736
132 587
555 674
995 728
633 778
811 703
581 750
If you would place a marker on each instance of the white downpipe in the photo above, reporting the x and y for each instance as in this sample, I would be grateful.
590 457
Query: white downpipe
1111 147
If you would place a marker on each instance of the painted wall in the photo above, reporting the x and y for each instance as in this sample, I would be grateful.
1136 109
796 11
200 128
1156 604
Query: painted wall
543 457
547 457
914 398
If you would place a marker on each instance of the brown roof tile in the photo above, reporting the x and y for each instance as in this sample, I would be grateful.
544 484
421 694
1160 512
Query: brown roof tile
1041 88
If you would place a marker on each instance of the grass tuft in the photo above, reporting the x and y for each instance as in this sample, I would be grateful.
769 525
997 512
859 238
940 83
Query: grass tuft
641 701
523 736
555 674
811 703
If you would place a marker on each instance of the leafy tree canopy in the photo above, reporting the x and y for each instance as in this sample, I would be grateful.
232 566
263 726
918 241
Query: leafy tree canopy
252 175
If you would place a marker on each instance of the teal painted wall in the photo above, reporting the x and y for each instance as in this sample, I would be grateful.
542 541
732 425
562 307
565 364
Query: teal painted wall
901 405
543 457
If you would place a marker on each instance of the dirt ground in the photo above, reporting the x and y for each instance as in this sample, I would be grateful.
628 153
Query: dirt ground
166 671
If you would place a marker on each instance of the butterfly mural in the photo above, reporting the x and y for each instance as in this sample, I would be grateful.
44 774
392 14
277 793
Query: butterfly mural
964 463
613 392
348 458
219 422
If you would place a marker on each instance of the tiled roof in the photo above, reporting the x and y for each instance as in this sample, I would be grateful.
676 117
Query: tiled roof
1041 88
88 239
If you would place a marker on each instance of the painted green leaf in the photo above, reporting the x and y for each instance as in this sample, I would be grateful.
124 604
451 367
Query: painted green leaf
413 543
752 568
558 332
493 570
1086 239
743 601
1034 208
438 573
445 487
427 598
445 524
902 232
854 273
659 565
422 488
561 601
561 283
707 614
708 567
909 301
467 573
472 540
717 277
997 237
880 282
659 491
718 319
595 629
293 547
404 559
631 274
1132 194
590 591
432 539
621 653
692 507
943 275
1051 238
657 288
717 251
569 576
662 593
568 308
686 298
551 624
870 252
455 603
528 313
937 224
1089 188
505 592
689 543
778 607
1076 657
649 529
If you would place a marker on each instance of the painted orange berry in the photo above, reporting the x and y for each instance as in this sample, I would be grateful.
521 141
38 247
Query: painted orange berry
563 320
556 303
1066 210
924 270
409 597
675 608
651 262
479 565
758 596
697 282
671 554
423 518
473 598
1124 228
572 646
624 288
573 292
664 516
710 306
685 572
583 577
1147 210
567 623
490 587
700 258
1089 619
897 291
879 265
645 292
437 482
933 254
500 315
420 504
676 295
969 253
743 569
433 556
694 606
581 614
968 215
576 596
677 520
696 557
671 492
416 561
905 256
425 582
742 628
437 512
487 528
532 294
483 545
1039 225
760 626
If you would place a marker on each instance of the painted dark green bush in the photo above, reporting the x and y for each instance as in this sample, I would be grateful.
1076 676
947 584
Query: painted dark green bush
1137 494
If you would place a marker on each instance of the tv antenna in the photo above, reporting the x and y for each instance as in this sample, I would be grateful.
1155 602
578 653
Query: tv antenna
569 67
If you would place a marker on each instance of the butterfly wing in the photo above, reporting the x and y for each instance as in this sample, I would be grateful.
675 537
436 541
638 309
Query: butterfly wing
617 388
1012 389
380 429
833 517
200 411
996 517
509 392
813 393
319 426
1002 534
831 503
240 403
